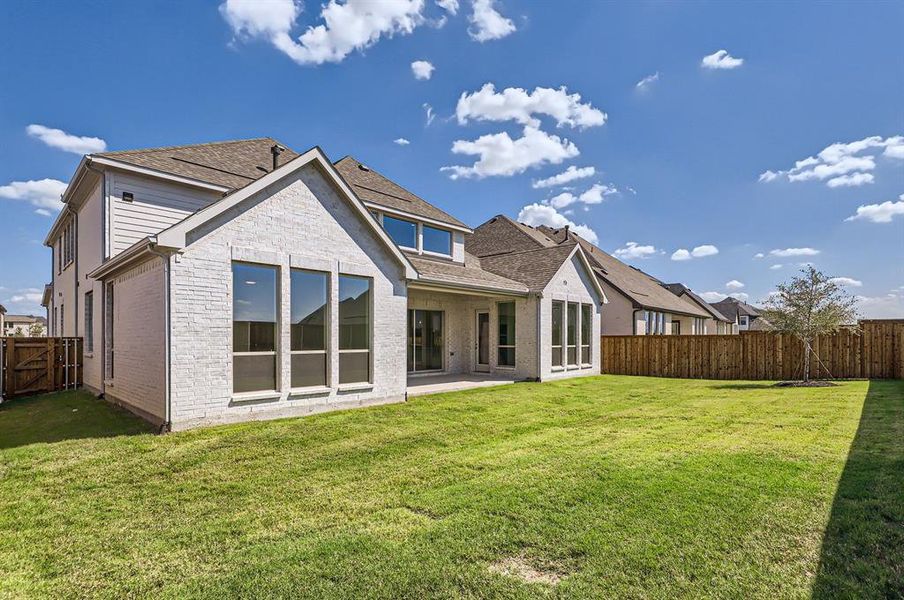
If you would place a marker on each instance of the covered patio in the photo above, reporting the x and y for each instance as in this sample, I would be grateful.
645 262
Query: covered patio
421 385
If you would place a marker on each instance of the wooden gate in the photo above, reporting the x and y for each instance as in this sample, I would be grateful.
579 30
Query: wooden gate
40 364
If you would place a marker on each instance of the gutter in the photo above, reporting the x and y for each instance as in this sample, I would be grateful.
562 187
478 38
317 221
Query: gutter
167 413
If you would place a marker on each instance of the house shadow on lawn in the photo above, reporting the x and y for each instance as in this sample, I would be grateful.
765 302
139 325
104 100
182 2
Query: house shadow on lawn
63 416
863 546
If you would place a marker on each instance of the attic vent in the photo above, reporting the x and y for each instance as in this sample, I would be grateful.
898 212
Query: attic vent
128 197
364 167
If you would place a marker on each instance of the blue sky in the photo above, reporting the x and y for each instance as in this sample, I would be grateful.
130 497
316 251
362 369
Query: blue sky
696 158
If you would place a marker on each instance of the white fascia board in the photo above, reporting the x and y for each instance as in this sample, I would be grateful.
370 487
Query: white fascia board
413 217
596 284
175 236
124 166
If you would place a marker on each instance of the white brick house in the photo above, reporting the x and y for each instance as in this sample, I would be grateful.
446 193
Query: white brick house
240 280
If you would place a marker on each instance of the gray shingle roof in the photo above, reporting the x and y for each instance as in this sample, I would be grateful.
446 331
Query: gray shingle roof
680 289
643 290
374 187
535 268
732 308
233 164
471 273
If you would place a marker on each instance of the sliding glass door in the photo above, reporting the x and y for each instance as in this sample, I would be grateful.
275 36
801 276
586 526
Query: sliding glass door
425 340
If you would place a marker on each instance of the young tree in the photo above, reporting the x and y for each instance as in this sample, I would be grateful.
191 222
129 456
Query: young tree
35 330
809 305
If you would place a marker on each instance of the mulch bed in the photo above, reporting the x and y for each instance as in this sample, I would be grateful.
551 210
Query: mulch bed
811 383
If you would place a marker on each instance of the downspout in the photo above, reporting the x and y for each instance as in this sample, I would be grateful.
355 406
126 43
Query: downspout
539 338
167 414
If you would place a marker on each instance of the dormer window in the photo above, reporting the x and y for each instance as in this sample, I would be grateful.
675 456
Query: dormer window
402 232
438 241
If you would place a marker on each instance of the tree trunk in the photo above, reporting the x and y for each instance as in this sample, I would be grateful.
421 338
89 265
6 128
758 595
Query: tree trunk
806 361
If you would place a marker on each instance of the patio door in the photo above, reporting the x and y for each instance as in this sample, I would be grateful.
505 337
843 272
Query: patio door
425 340
482 357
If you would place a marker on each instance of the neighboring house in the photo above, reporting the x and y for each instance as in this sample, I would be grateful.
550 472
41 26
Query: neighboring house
23 326
240 280
2 320
638 304
717 324
747 317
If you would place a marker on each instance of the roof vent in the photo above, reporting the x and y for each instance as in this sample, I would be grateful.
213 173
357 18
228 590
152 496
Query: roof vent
363 167
276 150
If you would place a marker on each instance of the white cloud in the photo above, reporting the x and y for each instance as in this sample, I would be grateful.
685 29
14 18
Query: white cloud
349 26
853 180
593 195
541 214
842 164
44 194
785 252
422 69
879 213
570 174
516 104
430 115
890 306
633 250
486 22
759 255
401 141
698 252
721 59
734 284
719 296
501 155
25 301
775 267
647 81
450 6
847 281
59 139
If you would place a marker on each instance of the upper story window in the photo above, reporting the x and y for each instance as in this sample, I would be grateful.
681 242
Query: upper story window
402 232
66 246
744 321
437 240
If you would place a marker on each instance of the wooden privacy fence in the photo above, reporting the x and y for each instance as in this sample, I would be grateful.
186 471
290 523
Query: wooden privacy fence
875 351
39 364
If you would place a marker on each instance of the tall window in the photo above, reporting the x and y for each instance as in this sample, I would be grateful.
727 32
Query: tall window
254 310
402 232
309 328
557 309
436 240
425 340
89 321
572 334
355 325
506 345
586 332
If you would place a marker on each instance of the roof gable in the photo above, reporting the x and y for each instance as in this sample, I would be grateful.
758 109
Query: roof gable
176 235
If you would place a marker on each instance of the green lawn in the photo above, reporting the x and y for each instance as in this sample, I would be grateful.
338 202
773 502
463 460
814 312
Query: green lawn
606 487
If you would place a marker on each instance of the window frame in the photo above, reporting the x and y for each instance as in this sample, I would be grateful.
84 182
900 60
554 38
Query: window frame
417 231
511 342
327 327
560 304
588 344
276 352
422 227
370 333
89 321
572 344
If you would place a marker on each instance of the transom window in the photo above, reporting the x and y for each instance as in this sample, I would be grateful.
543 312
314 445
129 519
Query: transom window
355 326
310 317
402 232
506 343
254 327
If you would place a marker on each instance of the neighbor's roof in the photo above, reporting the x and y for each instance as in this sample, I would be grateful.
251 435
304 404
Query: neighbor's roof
732 307
679 288
24 319
642 289
233 164
2 309
469 274
374 188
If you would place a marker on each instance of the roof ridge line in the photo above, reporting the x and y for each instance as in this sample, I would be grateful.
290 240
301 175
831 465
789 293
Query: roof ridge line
178 146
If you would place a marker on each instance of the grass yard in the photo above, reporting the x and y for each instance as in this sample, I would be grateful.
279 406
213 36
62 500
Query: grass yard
610 487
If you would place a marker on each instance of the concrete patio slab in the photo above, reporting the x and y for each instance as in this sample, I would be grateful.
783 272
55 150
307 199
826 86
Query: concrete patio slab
420 385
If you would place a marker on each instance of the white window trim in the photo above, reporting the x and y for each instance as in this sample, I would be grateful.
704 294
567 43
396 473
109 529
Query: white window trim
380 215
